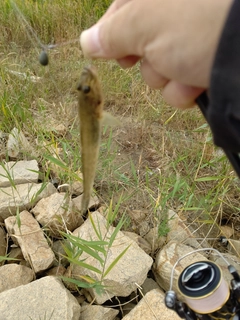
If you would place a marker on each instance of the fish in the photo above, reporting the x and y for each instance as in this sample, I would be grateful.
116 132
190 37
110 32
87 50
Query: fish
90 110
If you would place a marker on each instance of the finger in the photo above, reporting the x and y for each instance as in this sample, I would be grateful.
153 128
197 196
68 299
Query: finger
128 61
151 76
179 95
121 34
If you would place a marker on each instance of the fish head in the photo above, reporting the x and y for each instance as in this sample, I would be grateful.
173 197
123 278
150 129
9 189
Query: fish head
89 85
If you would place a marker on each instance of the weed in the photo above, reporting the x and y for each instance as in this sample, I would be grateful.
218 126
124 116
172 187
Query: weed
98 249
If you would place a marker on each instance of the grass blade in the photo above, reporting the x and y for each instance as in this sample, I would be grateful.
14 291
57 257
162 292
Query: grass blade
112 265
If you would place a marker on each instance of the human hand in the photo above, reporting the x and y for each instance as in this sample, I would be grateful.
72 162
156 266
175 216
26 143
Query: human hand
175 41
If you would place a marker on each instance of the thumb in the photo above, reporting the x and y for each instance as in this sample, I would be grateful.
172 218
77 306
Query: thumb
119 35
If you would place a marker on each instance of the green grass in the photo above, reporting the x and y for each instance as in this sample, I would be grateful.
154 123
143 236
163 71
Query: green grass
159 158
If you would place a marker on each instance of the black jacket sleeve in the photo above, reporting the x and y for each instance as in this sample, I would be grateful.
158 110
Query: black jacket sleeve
223 113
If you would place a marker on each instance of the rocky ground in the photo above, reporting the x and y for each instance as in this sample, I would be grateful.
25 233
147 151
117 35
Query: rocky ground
35 219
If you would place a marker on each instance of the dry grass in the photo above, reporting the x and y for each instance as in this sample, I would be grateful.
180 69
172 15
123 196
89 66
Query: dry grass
160 158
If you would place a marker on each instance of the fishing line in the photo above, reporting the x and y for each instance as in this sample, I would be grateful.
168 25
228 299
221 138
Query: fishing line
43 57
36 42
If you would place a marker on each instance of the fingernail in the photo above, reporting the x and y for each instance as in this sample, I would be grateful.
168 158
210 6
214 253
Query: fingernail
90 44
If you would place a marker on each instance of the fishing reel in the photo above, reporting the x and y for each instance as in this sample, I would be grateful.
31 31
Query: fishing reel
207 295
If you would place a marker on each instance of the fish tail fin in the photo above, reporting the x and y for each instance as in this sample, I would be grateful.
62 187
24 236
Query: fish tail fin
85 203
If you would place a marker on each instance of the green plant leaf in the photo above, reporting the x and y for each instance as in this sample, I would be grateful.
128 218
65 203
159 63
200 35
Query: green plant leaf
56 161
94 227
4 258
208 179
84 265
116 230
81 284
112 265
88 250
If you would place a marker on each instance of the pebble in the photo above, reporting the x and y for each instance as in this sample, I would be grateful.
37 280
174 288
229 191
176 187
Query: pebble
43 58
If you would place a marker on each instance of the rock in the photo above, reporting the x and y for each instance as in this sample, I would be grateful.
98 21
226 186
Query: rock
76 187
132 268
13 173
14 275
25 263
227 231
57 212
179 232
56 271
143 244
69 285
233 260
3 244
45 298
22 197
127 308
17 143
60 254
15 253
148 285
29 236
151 307
94 202
144 227
90 312
154 240
167 257
234 246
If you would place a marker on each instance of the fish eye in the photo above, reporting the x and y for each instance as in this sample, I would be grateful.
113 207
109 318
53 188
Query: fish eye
86 89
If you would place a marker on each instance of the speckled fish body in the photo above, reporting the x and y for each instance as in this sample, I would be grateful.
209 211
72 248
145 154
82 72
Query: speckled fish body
90 106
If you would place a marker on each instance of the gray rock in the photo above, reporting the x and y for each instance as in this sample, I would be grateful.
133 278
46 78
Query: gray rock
126 308
75 187
90 312
56 212
60 254
94 203
29 236
232 259
132 268
234 246
154 240
179 231
14 275
15 253
22 197
46 298
56 271
148 285
143 244
151 307
17 143
227 231
13 173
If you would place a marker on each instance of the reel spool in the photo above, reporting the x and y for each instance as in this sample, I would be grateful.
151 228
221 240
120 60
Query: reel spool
206 293
203 287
